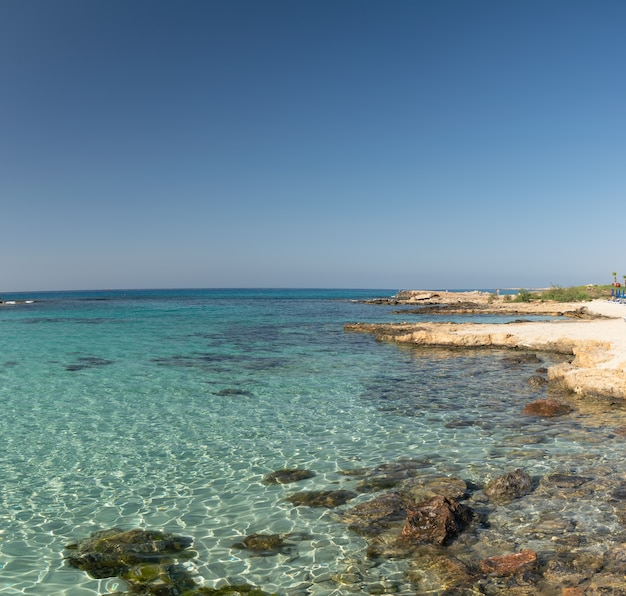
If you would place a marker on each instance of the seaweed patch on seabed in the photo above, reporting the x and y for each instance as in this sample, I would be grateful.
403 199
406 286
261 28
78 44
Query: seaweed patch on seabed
201 360
88 362
80 321
212 362
149 562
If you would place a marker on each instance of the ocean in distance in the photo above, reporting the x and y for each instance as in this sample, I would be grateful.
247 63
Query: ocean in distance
167 409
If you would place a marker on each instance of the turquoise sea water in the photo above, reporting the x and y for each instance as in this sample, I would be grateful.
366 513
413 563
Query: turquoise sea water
166 409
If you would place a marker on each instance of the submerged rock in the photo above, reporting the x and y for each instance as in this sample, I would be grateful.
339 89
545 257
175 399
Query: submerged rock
509 486
377 516
547 408
145 559
509 564
565 480
434 572
110 553
537 381
522 358
436 521
390 475
422 489
322 498
287 476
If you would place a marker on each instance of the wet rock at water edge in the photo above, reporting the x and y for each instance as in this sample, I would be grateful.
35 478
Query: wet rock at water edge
436 521
265 545
509 486
509 564
522 358
537 381
322 498
287 476
547 408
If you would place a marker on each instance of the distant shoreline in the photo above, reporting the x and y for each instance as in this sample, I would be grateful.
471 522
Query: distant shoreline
594 334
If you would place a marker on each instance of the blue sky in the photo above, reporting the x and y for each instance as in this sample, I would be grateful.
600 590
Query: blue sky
301 143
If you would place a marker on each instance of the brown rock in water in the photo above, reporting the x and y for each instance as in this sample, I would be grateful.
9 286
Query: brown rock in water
509 486
436 521
509 564
547 408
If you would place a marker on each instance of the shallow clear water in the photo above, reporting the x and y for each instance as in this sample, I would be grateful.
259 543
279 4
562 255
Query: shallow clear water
166 409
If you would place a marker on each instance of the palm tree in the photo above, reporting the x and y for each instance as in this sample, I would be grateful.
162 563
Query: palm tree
614 274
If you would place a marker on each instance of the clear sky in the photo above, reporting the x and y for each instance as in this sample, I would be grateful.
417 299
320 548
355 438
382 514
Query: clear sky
311 143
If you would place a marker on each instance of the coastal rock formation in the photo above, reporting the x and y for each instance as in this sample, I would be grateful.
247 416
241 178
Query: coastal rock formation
598 347
436 521
509 486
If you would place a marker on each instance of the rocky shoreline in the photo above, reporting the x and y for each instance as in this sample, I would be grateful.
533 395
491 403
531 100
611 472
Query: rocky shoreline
593 333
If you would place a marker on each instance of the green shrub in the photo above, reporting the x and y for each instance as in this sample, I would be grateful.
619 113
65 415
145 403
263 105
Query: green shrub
523 296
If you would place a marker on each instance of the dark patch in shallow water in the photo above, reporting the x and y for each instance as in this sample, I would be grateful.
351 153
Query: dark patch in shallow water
88 362
208 361
80 321
233 393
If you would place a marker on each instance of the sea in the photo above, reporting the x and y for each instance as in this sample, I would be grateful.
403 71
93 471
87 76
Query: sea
168 409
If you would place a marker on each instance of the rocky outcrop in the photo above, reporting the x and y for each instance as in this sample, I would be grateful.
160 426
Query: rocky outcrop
598 368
